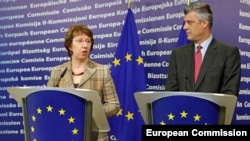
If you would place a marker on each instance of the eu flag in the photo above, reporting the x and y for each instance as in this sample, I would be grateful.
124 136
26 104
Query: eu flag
55 116
185 110
129 77
182 37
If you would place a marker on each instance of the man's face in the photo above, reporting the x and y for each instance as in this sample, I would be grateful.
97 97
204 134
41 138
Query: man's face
194 27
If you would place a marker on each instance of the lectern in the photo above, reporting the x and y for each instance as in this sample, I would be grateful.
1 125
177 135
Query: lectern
166 107
54 114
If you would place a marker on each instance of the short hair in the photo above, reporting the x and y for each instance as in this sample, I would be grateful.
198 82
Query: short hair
75 30
202 9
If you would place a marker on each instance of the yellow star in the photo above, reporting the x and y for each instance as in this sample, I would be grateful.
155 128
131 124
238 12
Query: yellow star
75 131
119 113
184 114
116 62
170 116
162 123
71 120
32 129
39 111
197 117
49 108
139 60
62 112
33 118
128 57
130 115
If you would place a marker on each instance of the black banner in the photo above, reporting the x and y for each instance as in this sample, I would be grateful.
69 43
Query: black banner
173 132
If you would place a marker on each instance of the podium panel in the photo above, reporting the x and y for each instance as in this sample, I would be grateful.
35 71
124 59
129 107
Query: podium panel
51 114
188 110
166 108
60 114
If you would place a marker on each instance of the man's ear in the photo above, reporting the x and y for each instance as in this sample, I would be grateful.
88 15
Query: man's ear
205 23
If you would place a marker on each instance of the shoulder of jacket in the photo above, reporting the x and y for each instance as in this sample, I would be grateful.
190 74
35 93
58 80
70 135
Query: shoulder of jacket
98 65
61 66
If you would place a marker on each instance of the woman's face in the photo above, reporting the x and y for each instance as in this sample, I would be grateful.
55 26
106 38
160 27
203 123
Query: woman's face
80 47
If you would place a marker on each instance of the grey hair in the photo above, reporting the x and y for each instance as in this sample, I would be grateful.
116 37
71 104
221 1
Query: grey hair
203 11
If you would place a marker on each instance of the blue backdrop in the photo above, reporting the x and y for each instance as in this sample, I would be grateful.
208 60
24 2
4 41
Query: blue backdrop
32 36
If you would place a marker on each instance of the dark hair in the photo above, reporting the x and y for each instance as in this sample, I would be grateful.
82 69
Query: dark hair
203 11
75 30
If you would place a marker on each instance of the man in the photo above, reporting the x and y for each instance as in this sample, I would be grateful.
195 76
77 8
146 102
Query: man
220 69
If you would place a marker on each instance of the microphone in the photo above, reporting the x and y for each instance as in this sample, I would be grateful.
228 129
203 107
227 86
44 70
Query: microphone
186 80
61 76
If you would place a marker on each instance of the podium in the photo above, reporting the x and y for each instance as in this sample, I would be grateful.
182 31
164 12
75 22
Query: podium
190 108
52 113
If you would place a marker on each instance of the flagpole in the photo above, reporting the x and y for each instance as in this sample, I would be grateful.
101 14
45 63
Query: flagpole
129 4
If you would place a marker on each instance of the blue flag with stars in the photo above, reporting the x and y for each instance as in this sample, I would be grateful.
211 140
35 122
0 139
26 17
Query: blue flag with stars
55 116
185 110
182 40
129 77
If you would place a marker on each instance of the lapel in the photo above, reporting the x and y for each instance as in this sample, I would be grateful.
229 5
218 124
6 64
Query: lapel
208 59
68 81
189 57
90 70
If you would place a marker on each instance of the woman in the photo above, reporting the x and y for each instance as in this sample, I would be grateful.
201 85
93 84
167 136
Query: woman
81 72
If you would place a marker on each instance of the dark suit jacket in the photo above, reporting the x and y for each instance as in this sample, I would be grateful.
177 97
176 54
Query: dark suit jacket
220 71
